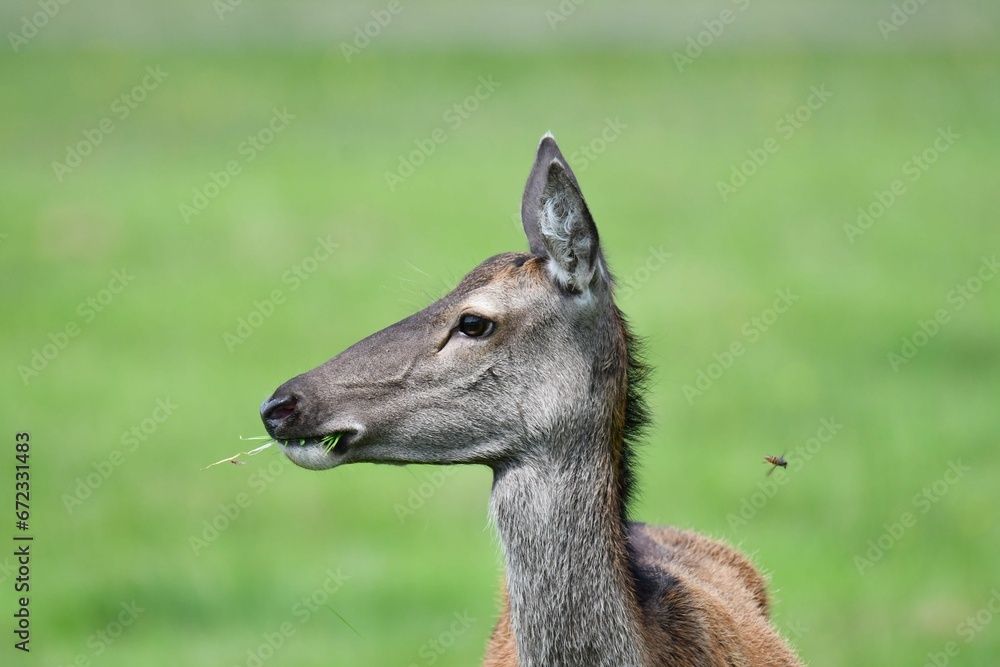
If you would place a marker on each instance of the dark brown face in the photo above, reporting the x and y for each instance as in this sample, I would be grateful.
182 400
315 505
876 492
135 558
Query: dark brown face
479 376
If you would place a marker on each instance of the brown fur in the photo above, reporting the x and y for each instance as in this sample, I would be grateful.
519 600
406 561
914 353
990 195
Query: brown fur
713 610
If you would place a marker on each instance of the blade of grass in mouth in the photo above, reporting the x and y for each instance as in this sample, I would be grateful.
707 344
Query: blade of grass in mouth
252 452
329 442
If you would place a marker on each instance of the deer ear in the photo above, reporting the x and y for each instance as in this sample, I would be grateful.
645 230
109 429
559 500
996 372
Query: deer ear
531 202
557 222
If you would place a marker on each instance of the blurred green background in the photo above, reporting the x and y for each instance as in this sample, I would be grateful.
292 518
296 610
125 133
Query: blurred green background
370 565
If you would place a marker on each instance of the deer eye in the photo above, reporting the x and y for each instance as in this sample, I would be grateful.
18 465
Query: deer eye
475 326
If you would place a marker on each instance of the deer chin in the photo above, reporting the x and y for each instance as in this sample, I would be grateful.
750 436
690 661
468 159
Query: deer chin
316 453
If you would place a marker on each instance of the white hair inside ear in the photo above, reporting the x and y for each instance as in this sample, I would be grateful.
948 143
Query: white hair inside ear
568 232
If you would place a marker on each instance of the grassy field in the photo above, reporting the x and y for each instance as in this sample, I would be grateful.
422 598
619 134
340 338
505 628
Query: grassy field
369 565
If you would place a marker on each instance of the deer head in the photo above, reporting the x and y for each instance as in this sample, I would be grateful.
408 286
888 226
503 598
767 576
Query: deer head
487 374
527 367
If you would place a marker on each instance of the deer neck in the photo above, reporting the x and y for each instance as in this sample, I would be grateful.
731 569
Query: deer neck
559 517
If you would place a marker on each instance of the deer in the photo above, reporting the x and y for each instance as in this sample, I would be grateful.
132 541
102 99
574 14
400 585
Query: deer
529 367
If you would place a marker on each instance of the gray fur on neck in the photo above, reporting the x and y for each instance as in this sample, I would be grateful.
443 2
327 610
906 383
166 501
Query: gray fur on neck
571 599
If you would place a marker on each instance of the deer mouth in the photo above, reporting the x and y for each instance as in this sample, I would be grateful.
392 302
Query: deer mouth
318 452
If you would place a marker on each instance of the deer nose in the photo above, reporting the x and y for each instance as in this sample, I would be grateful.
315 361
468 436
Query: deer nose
277 409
